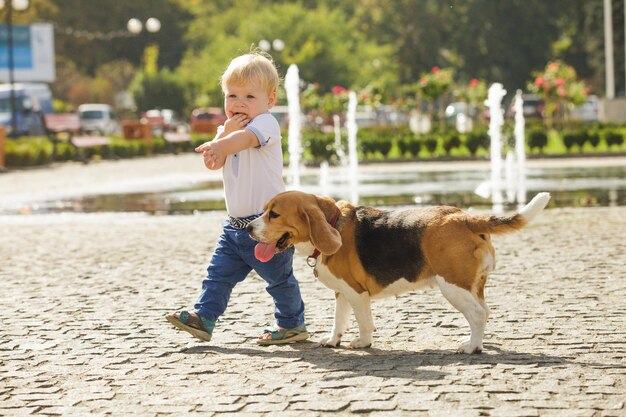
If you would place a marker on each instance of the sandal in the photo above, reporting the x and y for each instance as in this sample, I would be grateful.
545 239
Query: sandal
280 336
192 323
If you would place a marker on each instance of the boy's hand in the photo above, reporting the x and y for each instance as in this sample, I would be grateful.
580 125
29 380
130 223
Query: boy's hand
236 121
212 155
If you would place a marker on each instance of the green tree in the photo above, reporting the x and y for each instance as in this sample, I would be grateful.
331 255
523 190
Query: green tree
161 90
324 43
92 33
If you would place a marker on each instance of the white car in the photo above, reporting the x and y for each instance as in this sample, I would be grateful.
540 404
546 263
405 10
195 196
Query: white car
98 118
588 111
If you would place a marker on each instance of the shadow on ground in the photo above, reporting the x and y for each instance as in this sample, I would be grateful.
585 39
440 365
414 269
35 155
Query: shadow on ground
419 365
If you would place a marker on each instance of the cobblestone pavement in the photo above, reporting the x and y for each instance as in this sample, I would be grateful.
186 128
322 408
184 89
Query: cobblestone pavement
82 329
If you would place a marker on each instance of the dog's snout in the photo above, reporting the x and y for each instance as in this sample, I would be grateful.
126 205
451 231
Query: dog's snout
249 228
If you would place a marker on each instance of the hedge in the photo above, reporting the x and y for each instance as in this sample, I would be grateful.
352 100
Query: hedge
374 143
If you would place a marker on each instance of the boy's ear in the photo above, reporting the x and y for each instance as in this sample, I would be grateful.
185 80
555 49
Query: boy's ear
272 99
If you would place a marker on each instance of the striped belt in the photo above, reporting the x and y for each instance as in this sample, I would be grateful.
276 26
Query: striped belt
241 222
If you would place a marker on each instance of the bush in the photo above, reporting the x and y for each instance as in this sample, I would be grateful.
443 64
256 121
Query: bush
570 139
320 146
593 138
403 145
414 146
384 146
537 138
409 144
27 152
613 138
368 146
477 140
431 144
451 142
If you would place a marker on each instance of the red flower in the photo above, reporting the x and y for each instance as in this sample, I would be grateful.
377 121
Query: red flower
546 86
436 70
539 81
338 90
473 83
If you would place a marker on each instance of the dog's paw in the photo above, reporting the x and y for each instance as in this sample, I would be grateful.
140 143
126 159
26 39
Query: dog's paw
360 343
468 348
332 340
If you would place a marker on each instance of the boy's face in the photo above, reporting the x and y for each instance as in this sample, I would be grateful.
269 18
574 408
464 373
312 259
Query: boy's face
249 99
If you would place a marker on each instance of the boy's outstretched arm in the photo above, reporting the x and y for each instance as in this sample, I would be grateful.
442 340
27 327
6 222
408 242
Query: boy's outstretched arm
215 152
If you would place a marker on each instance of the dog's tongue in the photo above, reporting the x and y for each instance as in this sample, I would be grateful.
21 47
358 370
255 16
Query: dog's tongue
264 251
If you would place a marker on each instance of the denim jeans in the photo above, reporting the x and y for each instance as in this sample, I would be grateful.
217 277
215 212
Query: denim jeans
233 259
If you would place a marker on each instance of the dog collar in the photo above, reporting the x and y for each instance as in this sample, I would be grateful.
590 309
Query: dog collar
312 259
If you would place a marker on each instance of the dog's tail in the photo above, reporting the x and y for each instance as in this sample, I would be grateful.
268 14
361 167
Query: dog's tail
507 224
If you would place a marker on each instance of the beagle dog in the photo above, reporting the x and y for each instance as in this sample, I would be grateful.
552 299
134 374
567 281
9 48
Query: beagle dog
369 253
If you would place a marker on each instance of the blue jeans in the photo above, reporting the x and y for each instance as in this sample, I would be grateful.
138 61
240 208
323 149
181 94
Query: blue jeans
232 261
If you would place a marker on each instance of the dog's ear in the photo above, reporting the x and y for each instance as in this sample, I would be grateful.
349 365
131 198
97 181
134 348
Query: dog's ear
323 236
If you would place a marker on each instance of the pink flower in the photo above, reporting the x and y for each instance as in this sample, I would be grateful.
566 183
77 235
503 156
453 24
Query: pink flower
338 90
436 70
559 82
473 83
423 81
553 66
561 91
546 85
539 81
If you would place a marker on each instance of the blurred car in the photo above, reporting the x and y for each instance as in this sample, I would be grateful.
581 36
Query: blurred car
533 107
463 115
162 120
588 111
98 118
281 113
459 107
207 119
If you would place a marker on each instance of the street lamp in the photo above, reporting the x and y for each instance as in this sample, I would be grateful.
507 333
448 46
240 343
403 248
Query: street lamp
135 26
276 44
151 52
17 5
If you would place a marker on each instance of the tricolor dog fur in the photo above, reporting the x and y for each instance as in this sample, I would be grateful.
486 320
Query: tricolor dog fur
371 253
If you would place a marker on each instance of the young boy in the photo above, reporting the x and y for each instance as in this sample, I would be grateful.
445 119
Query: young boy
248 149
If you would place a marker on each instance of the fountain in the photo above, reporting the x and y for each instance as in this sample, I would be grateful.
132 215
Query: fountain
292 86
509 176
515 162
324 177
520 148
353 159
343 162
494 101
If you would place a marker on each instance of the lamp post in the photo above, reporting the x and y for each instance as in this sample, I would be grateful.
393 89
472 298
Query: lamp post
17 5
135 26
151 53
608 50
277 44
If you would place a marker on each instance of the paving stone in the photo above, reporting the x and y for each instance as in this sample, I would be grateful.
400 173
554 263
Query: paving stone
326 406
555 343
369 406
514 412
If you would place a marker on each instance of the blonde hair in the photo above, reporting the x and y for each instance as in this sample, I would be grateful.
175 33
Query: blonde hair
253 66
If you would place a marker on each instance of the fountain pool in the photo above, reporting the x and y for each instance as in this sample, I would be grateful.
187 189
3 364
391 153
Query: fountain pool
383 185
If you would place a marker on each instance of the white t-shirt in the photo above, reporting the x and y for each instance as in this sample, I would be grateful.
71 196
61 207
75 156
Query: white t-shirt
255 175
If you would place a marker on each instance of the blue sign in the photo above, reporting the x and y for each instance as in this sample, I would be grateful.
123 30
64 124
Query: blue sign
22 50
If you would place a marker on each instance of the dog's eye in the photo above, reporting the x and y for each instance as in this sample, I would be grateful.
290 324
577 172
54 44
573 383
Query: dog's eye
273 214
